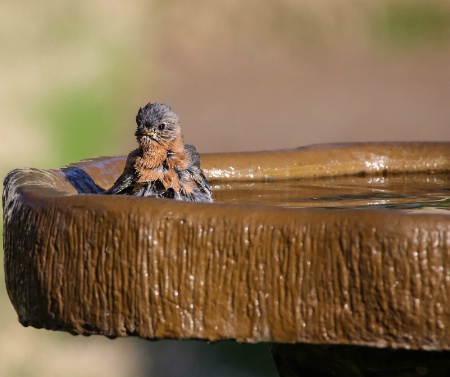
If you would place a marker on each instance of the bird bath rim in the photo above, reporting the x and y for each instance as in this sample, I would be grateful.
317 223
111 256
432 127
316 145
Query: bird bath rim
83 257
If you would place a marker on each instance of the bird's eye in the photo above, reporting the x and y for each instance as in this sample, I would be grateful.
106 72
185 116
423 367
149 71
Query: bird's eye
162 126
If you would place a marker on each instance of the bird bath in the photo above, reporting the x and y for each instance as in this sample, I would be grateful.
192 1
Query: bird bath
318 250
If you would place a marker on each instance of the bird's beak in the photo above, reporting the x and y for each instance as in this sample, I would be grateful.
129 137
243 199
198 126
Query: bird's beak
141 133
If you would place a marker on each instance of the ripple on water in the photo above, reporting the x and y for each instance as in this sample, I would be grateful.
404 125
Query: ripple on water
408 192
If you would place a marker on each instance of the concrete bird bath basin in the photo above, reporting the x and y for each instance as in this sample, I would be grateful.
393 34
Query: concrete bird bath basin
318 250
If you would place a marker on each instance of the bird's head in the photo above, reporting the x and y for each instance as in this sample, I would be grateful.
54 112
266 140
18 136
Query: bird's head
157 123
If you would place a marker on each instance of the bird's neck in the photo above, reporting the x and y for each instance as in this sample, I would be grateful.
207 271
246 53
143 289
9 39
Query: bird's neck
152 155
155 154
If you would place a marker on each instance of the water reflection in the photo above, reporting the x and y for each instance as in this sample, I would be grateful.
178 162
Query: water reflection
409 192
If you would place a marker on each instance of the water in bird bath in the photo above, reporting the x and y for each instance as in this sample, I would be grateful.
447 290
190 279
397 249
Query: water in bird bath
409 192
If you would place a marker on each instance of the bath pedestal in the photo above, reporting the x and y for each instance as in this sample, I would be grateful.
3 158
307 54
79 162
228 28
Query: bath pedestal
340 284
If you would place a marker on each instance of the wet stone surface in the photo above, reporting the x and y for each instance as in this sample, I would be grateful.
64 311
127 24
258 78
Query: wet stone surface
356 261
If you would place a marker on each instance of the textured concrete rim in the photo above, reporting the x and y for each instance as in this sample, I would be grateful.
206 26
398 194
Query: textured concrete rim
122 266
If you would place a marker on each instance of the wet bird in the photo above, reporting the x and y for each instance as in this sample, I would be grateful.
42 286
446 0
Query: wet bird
162 166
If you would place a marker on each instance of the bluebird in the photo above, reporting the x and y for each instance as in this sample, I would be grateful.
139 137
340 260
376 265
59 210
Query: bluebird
162 166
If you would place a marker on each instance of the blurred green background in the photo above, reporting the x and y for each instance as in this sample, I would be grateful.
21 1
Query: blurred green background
253 75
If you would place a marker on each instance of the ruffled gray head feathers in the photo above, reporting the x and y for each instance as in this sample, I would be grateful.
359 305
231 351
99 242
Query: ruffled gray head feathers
153 114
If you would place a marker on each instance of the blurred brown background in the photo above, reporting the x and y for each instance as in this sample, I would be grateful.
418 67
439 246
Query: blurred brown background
253 75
